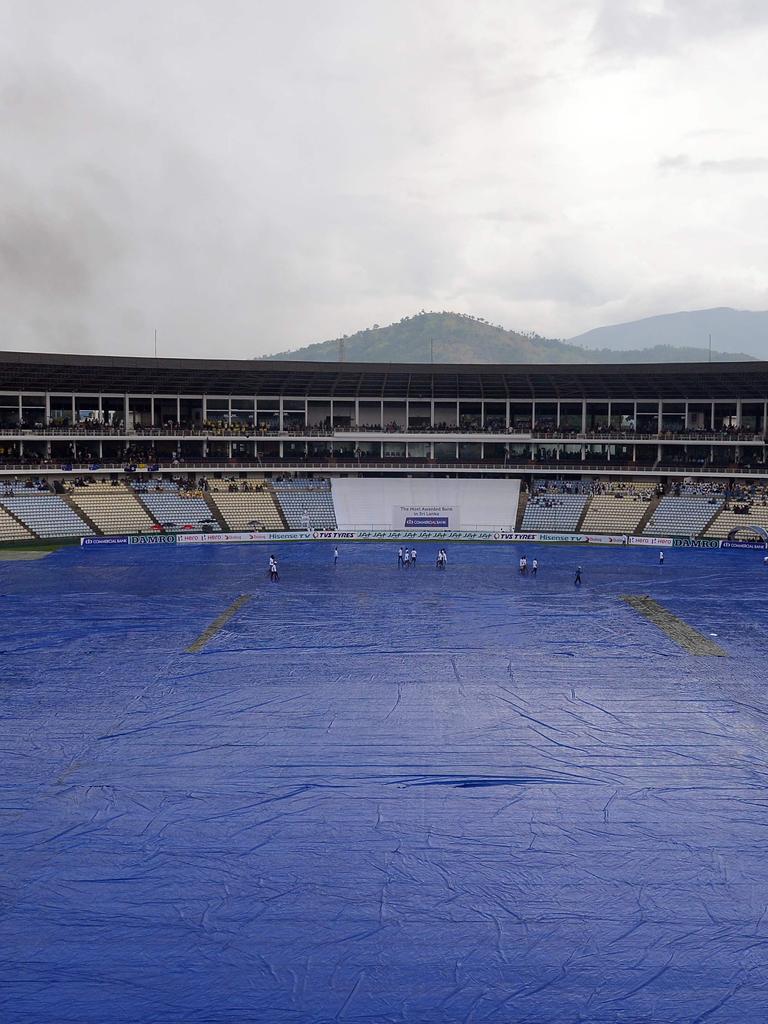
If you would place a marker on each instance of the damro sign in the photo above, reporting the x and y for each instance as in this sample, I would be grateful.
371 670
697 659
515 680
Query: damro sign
153 538
692 542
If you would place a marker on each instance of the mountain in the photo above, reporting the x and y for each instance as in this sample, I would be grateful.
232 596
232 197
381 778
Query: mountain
735 331
458 338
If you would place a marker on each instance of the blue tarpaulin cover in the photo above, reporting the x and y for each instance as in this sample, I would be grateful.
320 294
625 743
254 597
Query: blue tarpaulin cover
382 795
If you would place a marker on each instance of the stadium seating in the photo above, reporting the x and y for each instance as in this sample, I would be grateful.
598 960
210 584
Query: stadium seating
10 529
302 500
214 485
155 486
47 515
246 510
553 513
684 516
113 509
178 509
608 513
729 520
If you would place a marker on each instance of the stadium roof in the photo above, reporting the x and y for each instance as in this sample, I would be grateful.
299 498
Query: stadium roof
37 372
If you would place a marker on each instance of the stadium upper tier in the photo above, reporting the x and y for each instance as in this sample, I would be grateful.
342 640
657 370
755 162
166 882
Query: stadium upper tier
40 373
91 411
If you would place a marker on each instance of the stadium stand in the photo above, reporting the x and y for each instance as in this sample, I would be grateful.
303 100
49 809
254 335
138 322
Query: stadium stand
306 500
155 486
739 514
47 515
177 509
615 513
112 509
10 529
683 516
248 510
553 512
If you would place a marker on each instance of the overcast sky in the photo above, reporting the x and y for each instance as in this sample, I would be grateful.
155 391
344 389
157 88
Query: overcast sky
251 176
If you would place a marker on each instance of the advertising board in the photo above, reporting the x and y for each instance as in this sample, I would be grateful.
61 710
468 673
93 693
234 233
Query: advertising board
90 542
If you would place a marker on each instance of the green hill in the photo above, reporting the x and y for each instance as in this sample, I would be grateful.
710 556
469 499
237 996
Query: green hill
458 338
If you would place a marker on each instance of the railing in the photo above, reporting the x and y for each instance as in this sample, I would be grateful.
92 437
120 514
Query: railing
251 433
311 465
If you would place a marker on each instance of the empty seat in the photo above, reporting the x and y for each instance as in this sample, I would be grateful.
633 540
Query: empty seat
306 503
247 510
610 513
113 509
684 516
47 515
178 509
728 520
553 513
10 529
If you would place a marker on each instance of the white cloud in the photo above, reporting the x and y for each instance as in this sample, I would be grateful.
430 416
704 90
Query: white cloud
248 177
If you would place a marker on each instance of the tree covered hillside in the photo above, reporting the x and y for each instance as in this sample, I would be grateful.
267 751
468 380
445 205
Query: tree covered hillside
459 338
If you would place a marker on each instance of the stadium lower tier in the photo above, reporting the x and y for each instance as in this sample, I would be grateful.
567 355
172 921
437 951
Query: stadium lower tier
33 509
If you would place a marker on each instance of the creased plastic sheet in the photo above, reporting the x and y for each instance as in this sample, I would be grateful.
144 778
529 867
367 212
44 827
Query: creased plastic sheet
381 795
